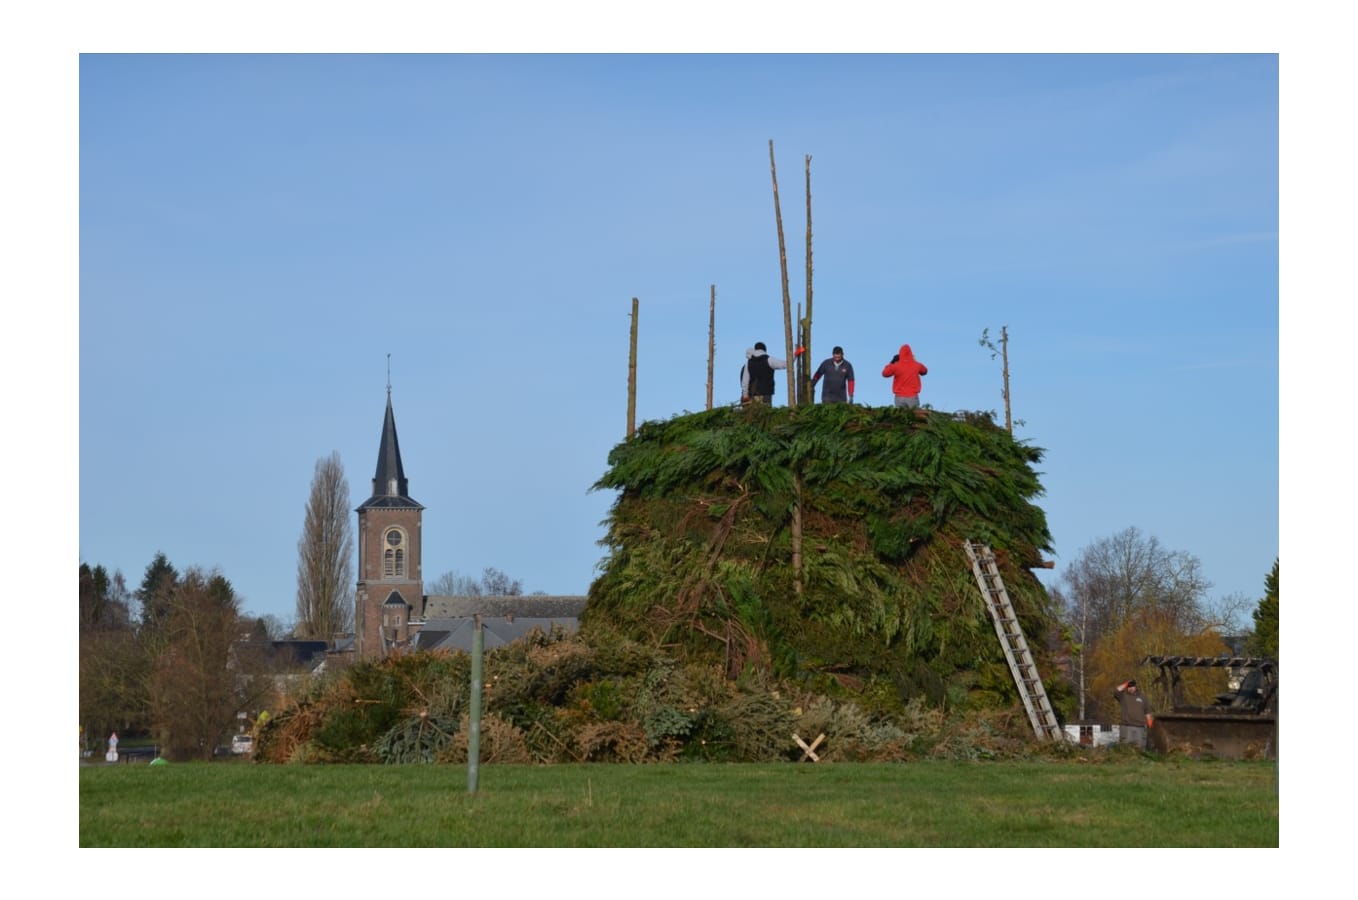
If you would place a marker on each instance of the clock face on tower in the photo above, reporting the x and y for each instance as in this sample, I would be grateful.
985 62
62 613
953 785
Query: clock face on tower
394 538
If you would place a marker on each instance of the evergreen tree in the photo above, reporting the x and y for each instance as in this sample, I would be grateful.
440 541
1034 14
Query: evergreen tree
1264 642
94 596
157 584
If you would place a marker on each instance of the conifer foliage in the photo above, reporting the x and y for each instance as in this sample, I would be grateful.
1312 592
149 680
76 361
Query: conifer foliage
825 544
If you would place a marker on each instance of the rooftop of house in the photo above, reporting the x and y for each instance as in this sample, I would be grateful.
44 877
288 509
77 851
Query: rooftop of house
541 606
457 633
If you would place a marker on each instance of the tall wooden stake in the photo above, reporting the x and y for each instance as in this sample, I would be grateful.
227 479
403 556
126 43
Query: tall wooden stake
632 376
805 391
474 708
787 298
1004 344
711 340
797 532
1003 352
803 376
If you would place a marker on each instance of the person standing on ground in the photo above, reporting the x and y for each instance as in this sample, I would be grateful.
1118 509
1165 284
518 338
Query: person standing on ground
905 371
1135 716
838 374
756 376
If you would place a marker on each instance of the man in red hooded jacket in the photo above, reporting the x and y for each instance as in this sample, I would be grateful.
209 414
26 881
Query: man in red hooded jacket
905 370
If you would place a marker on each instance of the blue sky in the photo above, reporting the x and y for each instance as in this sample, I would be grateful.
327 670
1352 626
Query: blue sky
258 233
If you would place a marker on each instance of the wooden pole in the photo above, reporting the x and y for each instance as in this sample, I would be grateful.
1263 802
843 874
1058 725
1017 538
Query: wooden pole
797 532
1004 345
711 340
474 710
806 327
803 377
787 298
806 393
632 376
1003 352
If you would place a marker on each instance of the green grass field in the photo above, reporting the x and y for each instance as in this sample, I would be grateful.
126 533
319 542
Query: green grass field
1132 802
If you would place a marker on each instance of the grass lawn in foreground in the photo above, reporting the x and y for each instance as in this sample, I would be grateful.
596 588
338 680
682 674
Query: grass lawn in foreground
1140 801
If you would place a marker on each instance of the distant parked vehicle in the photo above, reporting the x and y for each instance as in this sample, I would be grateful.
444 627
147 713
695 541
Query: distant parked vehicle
242 744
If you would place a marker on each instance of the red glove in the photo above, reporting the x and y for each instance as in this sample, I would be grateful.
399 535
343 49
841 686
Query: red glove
799 351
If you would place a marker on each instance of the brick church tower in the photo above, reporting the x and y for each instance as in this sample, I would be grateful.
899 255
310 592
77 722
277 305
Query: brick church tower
390 584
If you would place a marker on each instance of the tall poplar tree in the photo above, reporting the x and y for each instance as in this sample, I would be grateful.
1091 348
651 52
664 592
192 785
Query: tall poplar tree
325 583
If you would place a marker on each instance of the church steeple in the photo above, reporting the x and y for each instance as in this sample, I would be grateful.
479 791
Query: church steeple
390 478
391 488
390 590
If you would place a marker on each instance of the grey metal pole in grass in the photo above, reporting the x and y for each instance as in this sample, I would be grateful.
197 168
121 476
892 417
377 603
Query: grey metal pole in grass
474 714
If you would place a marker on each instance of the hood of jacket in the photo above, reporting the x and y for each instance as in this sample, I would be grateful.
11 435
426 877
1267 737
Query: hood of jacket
906 354
752 352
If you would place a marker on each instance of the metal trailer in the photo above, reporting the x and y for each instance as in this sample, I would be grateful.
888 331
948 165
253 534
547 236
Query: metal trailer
1241 724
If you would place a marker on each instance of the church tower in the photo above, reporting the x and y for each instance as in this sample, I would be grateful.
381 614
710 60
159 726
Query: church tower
390 584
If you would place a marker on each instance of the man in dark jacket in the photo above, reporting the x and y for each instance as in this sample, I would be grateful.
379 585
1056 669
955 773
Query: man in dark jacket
1135 715
838 374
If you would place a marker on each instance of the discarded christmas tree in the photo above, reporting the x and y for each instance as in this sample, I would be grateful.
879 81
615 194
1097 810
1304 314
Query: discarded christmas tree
823 545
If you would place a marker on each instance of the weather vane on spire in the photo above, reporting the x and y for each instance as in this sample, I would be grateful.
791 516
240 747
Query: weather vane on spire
388 374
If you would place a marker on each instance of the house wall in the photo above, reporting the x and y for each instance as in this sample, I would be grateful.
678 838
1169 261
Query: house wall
1092 735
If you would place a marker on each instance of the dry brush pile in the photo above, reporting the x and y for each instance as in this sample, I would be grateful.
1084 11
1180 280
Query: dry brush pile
598 697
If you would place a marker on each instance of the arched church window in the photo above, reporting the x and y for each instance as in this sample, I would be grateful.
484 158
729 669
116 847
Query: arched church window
394 557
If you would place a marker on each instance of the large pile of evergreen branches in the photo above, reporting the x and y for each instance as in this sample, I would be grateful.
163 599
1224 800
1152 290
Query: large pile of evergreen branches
824 545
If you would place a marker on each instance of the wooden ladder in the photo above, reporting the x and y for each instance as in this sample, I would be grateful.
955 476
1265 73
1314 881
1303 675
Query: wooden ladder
1011 639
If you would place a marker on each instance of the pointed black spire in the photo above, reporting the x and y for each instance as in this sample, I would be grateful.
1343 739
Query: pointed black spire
390 486
390 478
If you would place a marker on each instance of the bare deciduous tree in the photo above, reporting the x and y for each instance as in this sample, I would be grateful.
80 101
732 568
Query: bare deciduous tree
493 583
194 693
498 584
1119 579
325 588
454 584
113 680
